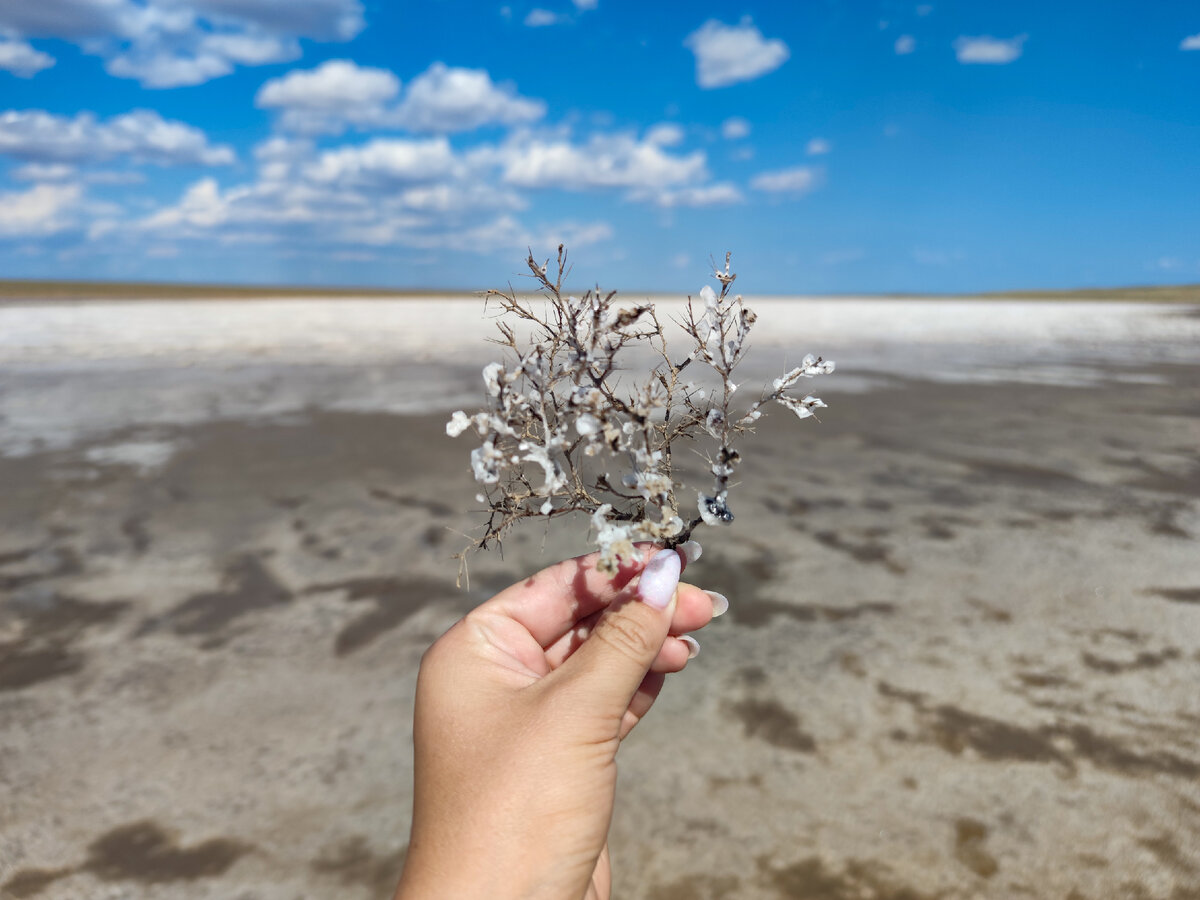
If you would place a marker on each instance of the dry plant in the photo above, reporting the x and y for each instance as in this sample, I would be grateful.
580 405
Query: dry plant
557 419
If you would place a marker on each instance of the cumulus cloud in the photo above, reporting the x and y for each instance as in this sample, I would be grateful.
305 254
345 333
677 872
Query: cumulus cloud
250 49
438 216
818 147
384 161
796 180
506 233
339 94
604 161
905 44
727 54
735 128
1190 43
43 210
989 50
423 193
584 5
328 20
168 70
330 97
67 19
44 172
382 193
20 58
668 134
445 99
718 194
170 43
143 135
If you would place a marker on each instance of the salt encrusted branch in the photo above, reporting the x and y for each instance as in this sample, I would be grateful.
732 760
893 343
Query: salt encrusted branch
554 406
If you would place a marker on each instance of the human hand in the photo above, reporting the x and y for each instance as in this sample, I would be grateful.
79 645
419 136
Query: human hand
520 710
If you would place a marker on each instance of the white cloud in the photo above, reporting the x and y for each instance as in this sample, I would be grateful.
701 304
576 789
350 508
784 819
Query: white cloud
169 43
444 99
796 180
584 5
668 134
251 49
384 161
719 194
304 215
382 193
42 210
44 172
506 233
333 84
330 97
67 19
422 193
460 197
339 94
989 50
905 44
61 172
201 205
20 58
605 161
1190 43
735 128
540 18
818 147
328 20
167 70
727 54
143 135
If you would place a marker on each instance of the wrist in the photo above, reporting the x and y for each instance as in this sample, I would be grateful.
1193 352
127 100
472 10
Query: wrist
466 873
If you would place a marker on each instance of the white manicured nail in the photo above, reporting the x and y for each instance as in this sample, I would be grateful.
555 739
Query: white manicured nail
659 579
693 645
691 550
720 603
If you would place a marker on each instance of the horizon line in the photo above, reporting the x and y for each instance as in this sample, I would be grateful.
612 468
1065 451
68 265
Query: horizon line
104 289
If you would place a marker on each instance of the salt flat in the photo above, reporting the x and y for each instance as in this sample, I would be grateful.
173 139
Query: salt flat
960 659
73 370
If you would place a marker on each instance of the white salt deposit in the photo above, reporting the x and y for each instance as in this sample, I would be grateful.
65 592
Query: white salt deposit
69 371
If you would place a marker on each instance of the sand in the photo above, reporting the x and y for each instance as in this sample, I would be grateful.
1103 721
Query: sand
961 657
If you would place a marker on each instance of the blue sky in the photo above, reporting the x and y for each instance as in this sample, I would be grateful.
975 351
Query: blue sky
832 146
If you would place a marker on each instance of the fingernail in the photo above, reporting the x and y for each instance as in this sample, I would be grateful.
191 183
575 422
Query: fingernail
692 550
659 579
693 645
720 603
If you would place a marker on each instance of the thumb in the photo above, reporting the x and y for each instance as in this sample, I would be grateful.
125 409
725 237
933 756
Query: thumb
612 662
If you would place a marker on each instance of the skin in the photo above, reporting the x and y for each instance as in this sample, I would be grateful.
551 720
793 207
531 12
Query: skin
520 710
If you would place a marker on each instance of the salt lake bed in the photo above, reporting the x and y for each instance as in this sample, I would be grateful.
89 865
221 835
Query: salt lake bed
960 659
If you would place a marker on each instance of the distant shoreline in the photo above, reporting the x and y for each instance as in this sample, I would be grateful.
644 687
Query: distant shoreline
24 291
